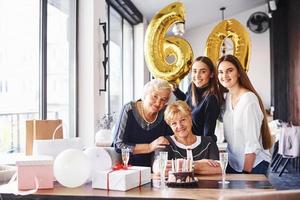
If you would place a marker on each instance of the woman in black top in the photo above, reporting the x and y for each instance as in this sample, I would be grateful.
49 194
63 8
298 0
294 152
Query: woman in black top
204 149
141 124
203 96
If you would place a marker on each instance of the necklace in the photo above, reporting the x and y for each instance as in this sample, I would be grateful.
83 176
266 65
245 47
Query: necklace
144 117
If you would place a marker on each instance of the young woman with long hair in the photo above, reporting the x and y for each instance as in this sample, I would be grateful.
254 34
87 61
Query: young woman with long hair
203 96
245 122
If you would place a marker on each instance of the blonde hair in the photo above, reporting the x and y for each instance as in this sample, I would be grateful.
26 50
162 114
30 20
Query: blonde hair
157 85
177 108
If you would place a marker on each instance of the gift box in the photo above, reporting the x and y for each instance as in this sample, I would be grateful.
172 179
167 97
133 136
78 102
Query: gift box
35 173
121 179
41 130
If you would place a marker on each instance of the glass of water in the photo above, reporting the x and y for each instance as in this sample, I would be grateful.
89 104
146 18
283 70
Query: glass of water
125 156
223 163
163 160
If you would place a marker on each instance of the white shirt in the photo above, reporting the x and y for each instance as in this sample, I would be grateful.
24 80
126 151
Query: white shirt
242 130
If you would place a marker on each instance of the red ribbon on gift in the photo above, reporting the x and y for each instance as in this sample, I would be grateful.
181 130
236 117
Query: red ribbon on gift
121 167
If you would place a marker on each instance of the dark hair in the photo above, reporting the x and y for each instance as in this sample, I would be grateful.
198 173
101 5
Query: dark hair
213 88
245 82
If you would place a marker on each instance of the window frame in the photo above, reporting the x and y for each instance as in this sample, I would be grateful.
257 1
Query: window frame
110 6
43 64
42 109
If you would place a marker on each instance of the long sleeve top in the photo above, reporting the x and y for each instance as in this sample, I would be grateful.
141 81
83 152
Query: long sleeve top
242 131
132 129
204 114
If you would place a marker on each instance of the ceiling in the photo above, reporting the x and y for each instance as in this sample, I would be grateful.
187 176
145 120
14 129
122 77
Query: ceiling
199 12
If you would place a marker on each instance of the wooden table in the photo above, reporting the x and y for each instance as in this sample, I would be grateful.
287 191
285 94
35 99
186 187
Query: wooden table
248 183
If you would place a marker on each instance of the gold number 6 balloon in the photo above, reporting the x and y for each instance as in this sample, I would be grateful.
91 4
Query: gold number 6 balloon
235 31
159 47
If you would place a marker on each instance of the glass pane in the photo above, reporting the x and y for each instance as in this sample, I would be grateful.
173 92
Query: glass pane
61 62
19 70
127 62
115 61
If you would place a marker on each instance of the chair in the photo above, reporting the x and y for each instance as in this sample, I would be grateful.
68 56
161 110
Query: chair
288 148
273 195
276 129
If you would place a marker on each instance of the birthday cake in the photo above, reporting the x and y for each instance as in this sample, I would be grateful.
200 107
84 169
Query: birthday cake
181 177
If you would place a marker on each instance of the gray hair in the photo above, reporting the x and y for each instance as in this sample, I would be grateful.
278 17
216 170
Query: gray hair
157 85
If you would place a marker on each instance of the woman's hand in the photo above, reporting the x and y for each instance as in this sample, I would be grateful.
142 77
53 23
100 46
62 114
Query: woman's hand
249 162
159 143
206 166
212 163
174 86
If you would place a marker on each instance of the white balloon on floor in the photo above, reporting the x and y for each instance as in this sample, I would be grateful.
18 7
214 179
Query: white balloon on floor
71 168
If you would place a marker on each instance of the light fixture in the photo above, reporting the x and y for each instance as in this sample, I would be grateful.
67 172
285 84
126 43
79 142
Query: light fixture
222 9
272 5
178 29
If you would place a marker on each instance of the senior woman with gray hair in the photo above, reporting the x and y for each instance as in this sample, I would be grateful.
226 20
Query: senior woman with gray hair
141 124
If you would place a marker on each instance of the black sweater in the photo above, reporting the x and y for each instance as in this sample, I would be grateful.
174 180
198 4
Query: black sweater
205 114
131 129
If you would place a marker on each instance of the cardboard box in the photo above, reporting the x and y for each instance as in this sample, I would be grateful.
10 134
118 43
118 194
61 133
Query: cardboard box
40 130
35 173
121 180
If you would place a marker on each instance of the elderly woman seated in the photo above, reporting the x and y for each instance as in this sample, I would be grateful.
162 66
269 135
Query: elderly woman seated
204 149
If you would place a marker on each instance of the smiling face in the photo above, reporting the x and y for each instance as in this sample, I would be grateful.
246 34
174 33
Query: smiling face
228 74
179 117
201 74
181 125
156 100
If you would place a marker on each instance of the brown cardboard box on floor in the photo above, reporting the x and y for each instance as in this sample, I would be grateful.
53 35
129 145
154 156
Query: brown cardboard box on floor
41 129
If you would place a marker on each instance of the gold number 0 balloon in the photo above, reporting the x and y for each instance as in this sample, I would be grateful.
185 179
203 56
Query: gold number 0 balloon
237 33
158 47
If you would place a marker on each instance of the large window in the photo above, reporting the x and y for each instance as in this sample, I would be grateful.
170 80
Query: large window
61 37
20 66
128 62
121 67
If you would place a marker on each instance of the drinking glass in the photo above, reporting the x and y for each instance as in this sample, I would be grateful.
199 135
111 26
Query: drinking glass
163 160
125 156
223 163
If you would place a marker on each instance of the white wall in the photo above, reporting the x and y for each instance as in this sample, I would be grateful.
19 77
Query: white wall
141 72
90 55
259 68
